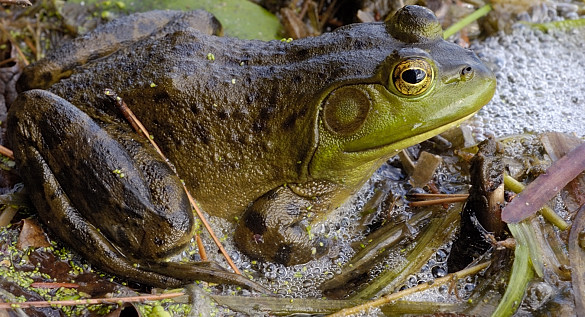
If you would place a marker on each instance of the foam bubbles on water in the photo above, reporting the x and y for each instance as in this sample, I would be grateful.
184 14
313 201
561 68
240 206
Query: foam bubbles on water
539 82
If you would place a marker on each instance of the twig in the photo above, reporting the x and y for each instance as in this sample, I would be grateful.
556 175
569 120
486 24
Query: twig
91 301
213 236
129 115
201 248
577 260
422 196
545 186
8 61
437 201
53 285
7 152
17 2
467 20
421 287
546 212
131 118
13 43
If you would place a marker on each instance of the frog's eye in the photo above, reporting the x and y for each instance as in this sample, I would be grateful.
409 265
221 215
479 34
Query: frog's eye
413 76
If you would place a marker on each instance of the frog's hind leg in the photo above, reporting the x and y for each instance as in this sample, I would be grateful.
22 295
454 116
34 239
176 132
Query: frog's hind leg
123 224
71 228
66 223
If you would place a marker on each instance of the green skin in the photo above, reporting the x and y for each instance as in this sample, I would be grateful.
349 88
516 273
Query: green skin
276 134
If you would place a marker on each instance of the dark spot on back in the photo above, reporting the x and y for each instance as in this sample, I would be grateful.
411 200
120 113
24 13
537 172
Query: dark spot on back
289 123
297 79
242 140
254 221
265 113
258 126
222 114
238 115
302 112
302 54
202 134
358 44
195 109
282 256
161 96
47 77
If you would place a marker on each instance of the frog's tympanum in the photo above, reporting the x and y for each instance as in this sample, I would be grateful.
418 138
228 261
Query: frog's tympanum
272 134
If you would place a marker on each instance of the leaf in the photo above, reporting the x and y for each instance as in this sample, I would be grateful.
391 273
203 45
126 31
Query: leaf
577 258
545 186
31 235
240 18
522 273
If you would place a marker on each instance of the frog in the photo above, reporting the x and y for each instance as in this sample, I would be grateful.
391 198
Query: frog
273 136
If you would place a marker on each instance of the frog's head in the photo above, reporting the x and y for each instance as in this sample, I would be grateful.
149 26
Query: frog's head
423 87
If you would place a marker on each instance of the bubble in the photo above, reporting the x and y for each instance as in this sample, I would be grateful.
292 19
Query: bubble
412 280
438 271
281 270
441 255
443 289
468 287
526 95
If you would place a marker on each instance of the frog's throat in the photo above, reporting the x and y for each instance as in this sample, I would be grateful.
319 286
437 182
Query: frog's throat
395 147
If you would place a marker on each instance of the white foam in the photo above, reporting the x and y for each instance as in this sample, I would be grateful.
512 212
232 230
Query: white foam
541 82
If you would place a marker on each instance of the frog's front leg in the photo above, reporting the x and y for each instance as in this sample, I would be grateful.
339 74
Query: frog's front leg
277 226
103 191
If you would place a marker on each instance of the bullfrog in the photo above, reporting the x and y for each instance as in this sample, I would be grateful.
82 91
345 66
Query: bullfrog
271 135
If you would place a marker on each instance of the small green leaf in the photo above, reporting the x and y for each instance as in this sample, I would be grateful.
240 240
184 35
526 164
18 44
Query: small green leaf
240 18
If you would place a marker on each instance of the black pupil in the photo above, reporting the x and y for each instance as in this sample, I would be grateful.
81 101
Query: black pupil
413 76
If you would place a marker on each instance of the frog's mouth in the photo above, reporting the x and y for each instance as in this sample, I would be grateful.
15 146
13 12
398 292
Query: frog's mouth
410 141
394 122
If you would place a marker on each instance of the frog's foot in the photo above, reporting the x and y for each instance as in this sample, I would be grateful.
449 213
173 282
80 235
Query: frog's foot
277 226
109 197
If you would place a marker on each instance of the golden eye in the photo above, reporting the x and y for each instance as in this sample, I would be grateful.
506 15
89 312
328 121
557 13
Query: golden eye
413 76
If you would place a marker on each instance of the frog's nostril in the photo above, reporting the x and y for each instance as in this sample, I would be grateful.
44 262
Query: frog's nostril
467 73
